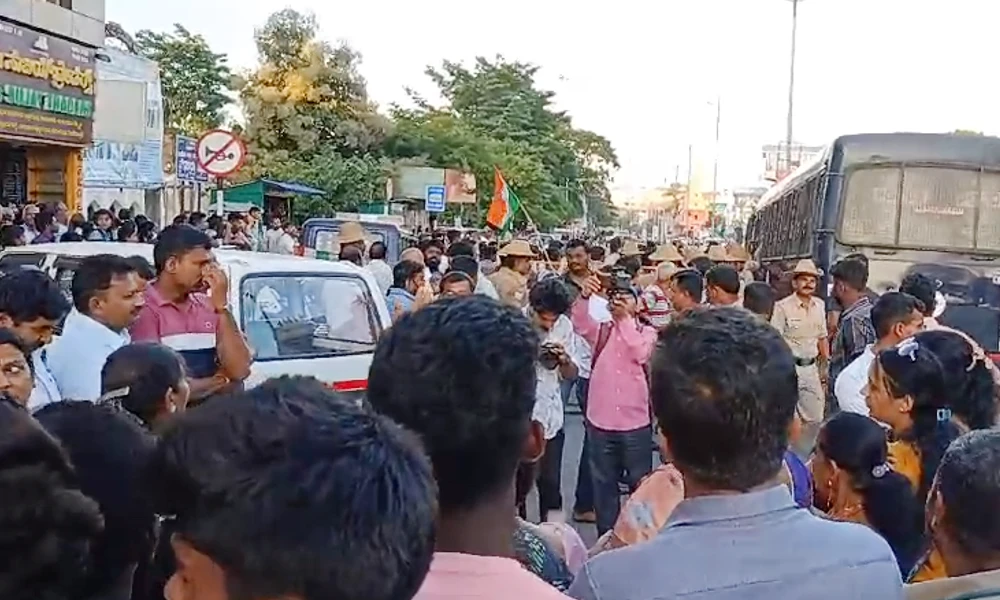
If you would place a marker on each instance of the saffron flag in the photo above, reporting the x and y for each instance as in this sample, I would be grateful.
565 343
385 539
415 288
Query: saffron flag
505 204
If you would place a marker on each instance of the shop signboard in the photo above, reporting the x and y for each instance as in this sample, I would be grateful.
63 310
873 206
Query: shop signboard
47 87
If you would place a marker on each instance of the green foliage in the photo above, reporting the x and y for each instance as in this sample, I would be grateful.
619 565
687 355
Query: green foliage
967 132
308 119
495 115
194 79
308 115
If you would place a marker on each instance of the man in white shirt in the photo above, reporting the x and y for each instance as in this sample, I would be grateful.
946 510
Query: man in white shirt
272 236
31 304
377 266
287 240
895 316
107 298
559 359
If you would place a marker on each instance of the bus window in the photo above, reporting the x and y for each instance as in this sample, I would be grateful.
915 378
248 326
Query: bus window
938 208
988 233
870 213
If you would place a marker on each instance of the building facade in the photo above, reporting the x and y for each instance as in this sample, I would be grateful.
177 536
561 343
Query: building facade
48 94
776 157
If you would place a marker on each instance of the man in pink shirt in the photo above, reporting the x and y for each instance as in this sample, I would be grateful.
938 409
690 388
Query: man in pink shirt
460 373
619 431
198 326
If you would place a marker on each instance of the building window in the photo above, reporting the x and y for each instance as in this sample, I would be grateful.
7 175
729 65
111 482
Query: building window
63 3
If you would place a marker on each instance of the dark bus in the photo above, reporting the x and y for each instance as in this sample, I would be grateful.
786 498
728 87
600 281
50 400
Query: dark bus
910 202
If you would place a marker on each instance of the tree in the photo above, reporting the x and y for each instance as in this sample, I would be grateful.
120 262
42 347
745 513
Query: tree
194 79
496 116
308 115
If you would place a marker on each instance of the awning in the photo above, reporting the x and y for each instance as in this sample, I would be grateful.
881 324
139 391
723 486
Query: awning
231 207
290 188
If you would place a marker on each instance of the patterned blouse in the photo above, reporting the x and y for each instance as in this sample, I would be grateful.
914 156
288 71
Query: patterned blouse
537 556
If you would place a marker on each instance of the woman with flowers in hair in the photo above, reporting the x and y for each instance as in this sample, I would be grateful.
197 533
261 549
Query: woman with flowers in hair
854 482
908 391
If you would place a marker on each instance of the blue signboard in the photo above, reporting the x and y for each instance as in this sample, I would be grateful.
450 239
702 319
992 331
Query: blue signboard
434 199
188 168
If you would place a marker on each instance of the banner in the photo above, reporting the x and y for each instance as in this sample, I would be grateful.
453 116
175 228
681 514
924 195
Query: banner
127 151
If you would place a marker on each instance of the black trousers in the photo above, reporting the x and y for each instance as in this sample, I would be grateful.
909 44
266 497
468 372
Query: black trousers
616 457
549 480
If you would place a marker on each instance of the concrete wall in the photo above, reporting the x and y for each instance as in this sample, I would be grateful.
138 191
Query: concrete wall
84 23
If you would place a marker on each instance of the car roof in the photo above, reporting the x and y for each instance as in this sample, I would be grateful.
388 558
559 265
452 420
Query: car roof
255 261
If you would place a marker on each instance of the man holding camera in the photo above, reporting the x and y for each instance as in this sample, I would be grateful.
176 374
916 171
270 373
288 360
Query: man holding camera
558 360
618 418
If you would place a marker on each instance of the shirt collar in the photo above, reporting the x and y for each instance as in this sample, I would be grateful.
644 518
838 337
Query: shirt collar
153 295
93 330
707 509
861 303
807 304
396 291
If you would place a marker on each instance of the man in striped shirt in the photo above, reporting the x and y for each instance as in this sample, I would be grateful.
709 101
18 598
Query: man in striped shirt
654 305
197 325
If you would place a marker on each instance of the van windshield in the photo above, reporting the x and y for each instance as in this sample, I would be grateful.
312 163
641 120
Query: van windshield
326 240
307 316
922 207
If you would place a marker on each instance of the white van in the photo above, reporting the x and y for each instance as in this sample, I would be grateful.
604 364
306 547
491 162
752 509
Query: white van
301 316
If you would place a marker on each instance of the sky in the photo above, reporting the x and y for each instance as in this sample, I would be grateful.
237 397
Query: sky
647 75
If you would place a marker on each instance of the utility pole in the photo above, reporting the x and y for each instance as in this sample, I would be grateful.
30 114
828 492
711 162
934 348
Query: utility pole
791 88
687 192
715 167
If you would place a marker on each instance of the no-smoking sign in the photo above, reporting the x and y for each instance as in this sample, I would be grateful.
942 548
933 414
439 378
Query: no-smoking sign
220 152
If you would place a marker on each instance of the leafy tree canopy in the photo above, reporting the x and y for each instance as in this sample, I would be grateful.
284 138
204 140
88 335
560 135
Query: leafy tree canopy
194 79
308 118
496 115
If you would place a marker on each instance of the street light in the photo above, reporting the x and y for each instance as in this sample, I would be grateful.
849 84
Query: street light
791 87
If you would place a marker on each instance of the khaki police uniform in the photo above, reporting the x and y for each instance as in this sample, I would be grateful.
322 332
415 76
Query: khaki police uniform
803 324
512 287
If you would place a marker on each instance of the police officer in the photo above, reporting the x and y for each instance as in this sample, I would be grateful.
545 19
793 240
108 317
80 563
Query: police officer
511 279
801 319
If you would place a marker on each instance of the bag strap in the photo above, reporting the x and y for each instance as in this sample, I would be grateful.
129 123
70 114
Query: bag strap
603 335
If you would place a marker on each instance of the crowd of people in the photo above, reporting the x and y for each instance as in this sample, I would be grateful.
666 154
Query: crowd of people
42 224
736 445
39 224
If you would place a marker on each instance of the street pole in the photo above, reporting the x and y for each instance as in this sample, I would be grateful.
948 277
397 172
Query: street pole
791 89
715 167
687 193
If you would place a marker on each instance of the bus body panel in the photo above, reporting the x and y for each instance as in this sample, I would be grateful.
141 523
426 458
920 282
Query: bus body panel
968 270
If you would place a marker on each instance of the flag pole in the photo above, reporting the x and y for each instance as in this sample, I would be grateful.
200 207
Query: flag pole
526 215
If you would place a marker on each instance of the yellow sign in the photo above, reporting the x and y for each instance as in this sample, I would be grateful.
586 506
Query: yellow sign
54 71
